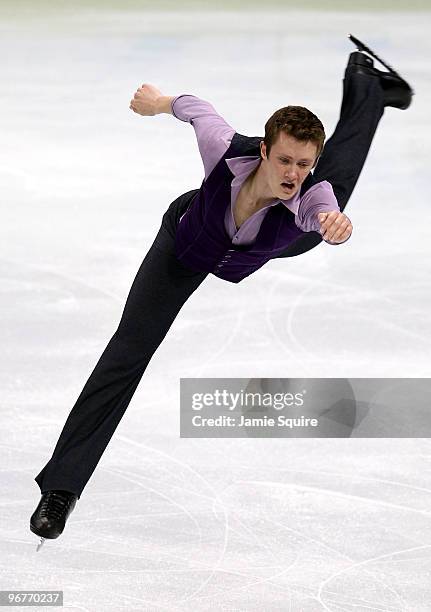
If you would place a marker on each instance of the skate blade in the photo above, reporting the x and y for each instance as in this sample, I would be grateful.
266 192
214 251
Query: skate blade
41 543
362 47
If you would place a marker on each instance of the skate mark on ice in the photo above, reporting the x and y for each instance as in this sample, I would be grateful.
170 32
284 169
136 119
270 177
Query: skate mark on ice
364 563
217 503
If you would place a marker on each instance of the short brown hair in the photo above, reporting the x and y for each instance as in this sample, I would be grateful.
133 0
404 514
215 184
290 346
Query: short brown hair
296 121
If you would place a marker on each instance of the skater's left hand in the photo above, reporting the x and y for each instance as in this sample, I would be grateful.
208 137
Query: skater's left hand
335 226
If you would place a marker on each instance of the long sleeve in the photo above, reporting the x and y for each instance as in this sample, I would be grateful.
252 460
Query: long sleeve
213 133
319 198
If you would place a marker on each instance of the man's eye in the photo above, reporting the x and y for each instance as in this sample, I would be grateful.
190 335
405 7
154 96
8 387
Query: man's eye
286 161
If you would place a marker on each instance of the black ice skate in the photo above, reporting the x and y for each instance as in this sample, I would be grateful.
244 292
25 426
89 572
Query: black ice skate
397 92
50 516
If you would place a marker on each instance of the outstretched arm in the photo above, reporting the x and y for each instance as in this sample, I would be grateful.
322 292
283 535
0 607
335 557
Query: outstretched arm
213 133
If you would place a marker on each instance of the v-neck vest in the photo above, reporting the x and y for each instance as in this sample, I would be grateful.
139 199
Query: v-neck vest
202 242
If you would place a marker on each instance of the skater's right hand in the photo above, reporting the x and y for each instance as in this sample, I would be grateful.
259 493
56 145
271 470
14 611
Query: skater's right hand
144 102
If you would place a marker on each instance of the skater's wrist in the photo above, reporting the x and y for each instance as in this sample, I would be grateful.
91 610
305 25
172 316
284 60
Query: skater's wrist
164 105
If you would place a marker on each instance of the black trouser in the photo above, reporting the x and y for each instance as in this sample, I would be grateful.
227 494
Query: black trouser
345 152
161 287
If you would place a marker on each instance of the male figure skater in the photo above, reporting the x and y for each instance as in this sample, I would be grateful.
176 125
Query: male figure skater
258 201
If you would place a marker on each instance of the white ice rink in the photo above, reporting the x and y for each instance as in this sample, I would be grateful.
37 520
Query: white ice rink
201 525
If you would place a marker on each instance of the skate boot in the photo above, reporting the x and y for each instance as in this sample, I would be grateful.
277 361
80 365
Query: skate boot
50 516
397 92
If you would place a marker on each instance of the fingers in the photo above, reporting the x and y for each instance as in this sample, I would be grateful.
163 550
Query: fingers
144 89
326 219
340 234
336 227
142 97
134 101
339 239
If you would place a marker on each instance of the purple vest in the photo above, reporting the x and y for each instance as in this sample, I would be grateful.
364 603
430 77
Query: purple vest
202 243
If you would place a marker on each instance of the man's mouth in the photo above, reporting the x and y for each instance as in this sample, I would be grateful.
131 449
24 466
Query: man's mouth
287 185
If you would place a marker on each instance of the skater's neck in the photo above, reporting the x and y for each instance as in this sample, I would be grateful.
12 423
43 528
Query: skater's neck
256 190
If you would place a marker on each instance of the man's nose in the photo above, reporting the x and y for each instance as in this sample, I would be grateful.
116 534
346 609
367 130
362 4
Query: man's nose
291 173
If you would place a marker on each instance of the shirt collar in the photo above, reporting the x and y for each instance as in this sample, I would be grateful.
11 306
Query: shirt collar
241 167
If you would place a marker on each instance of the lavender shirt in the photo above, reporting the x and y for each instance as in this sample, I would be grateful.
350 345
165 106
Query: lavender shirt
214 137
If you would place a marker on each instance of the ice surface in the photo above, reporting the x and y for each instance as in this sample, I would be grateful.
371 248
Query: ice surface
181 524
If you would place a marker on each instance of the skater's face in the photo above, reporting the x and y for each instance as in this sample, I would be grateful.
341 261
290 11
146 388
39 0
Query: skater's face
288 165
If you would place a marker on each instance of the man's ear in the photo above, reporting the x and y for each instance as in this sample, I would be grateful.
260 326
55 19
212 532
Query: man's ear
262 149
